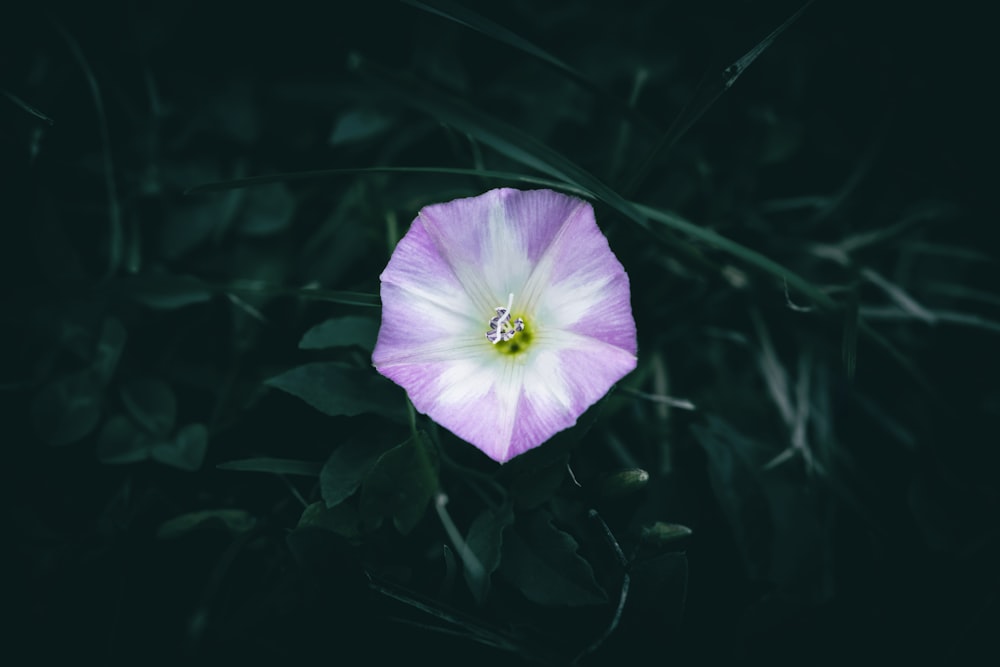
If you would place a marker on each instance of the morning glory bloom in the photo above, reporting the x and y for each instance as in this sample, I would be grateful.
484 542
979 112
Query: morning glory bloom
505 316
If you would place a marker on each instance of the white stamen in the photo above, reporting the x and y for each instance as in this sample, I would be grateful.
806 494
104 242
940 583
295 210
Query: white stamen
501 328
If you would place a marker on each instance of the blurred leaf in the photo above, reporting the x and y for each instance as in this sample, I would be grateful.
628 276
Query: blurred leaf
121 441
485 540
232 111
234 520
335 389
346 468
341 332
190 224
783 140
187 449
267 210
109 349
342 519
151 403
359 124
400 484
733 464
163 291
68 408
276 466
543 563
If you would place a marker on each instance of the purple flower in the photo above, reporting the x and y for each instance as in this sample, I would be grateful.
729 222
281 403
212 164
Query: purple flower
505 316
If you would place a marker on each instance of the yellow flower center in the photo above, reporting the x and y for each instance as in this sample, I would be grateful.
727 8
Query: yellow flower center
508 333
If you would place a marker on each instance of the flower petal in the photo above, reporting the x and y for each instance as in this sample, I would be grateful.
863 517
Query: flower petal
579 285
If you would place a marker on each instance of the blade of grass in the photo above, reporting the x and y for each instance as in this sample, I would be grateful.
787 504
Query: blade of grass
897 356
173 291
953 252
898 295
499 135
469 627
116 235
926 213
963 292
940 317
17 101
773 372
308 293
255 181
466 17
275 466
741 252
708 91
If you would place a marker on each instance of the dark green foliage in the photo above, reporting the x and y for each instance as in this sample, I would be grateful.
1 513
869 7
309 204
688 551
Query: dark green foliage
400 485
198 201
485 540
542 562
346 469
341 332
335 389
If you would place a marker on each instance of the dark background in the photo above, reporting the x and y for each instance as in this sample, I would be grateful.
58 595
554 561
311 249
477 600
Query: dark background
882 546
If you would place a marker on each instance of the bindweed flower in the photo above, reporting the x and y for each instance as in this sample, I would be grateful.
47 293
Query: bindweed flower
505 316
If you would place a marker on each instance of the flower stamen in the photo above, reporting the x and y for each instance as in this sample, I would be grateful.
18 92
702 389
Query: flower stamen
501 327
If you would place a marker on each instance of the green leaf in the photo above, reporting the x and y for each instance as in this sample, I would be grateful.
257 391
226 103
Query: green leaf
341 332
343 520
400 485
121 441
275 466
485 540
68 409
543 563
734 467
152 404
267 210
163 291
359 124
346 469
335 389
187 449
189 224
109 349
234 520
